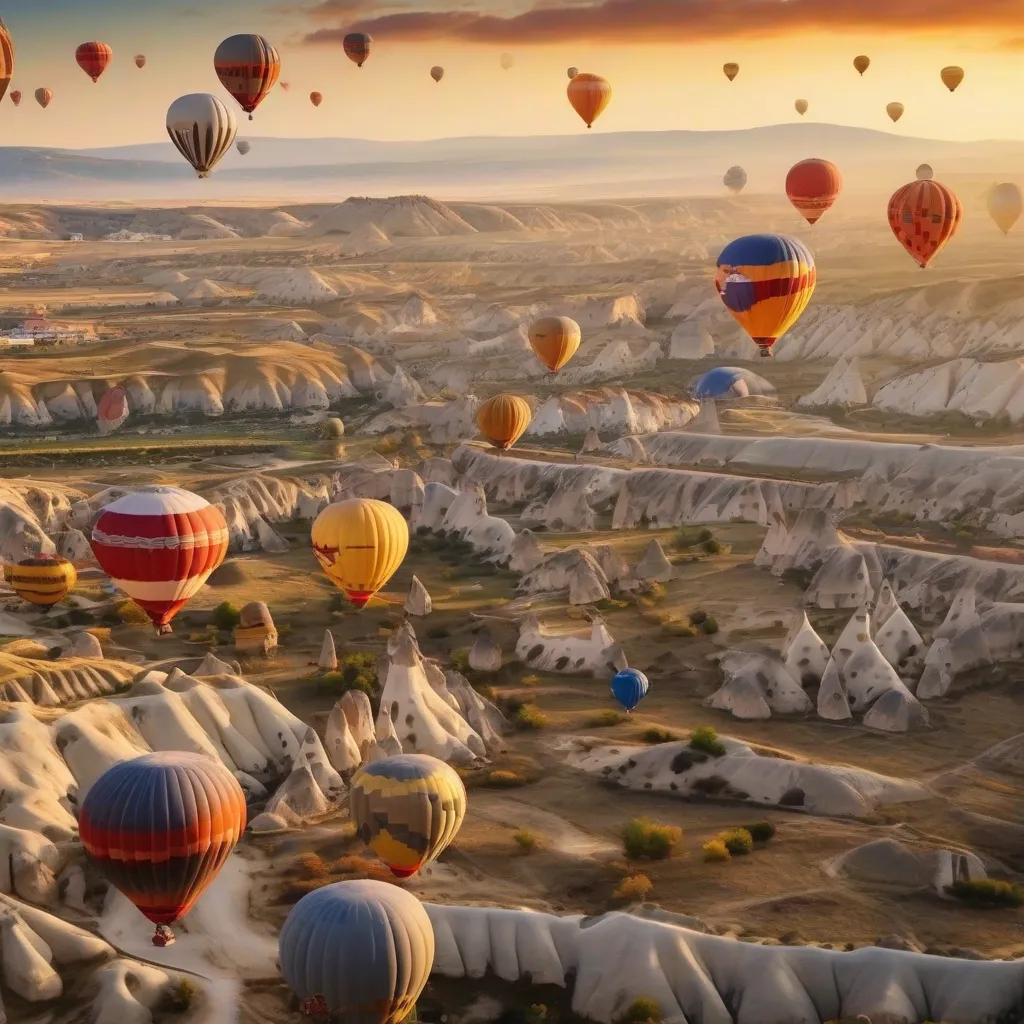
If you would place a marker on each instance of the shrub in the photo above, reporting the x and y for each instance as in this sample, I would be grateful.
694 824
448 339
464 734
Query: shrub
645 839
536 1014
460 660
705 739
356 671
674 628
180 996
641 1011
226 616
761 831
689 536
709 626
606 718
131 614
529 716
503 779
988 892
530 680
526 841
658 735
715 851
711 547
738 841
635 887
697 616
313 865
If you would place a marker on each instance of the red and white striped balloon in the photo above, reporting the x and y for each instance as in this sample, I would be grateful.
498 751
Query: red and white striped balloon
159 545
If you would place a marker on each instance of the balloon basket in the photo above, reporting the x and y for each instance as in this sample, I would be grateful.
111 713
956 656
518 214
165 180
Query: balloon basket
163 936
164 630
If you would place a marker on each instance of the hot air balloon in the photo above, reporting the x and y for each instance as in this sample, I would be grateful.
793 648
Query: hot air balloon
43 97
159 544
924 216
589 95
248 67
112 410
812 187
357 46
801 107
316 98
861 63
735 179
629 687
93 58
407 809
572 73
437 73
554 340
895 110
1005 204
507 60
16 97
140 60
202 130
951 77
766 282
925 172
731 71
503 419
6 61
358 951
360 543
42 580
243 146
285 85
159 829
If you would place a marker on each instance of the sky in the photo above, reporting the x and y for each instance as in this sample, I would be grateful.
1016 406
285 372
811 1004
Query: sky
663 58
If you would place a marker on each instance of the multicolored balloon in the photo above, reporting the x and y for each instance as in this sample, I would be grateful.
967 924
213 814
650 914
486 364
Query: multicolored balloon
358 951
159 828
1005 204
360 543
735 179
813 186
951 77
407 809
861 63
202 130
42 580
504 419
248 67
924 216
731 70
112 410
589 95
6 61
555 340
357 46
159 545
629 687
766 282
43 97
94 58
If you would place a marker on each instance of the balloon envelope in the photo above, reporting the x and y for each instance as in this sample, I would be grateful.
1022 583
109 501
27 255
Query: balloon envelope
159 545
572 73
407 809
731 70
94 58
766 282
202 129
248 67
801 107
503 419
316 98
812 187
507 60
861 63
6 60
243 146
925 172
1005 205
951 77
360 543
42 580
437 73
112 410
358 951
358 46
43 97
140 60
735 179
589 95
16 97
924 216
159 828
895 110
730 382
554 340
629 687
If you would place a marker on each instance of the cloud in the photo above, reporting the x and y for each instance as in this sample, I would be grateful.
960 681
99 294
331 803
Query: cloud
659 21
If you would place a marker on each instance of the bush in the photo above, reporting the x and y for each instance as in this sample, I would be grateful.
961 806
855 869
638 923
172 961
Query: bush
674 628
460 660
529 716
643 839
606 719
503 779
313 865
530 680
226 616
988 892
715 851
761 831
706 740
697 616
641 1011
709 626
526 841
689 536
635 887
658 735
711 547
356 671
179 999
738 841
131 614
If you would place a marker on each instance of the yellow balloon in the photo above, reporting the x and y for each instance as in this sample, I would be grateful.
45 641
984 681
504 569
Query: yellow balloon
731 70
951 77
555 340
360 543
1005 205
43 580
801 107
503 419
895 110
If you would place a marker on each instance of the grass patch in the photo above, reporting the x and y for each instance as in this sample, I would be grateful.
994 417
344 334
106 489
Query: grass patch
658 735
530 681
225 616
761 831
635 887
705 739
698 616
526 840
610 604
715 851
606 719
311 872
643 839
129 613
709 626
687 537
711 547
738 841
987 892
180 996
502 778
530 717
641 1011
673 627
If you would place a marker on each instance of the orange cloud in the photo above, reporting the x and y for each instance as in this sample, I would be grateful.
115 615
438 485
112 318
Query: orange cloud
659 21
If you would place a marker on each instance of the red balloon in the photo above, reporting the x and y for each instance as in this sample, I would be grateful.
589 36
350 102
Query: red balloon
93 58
924 216
813 186
16 97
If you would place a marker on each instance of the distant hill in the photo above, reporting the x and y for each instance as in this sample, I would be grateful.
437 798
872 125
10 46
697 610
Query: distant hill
587 165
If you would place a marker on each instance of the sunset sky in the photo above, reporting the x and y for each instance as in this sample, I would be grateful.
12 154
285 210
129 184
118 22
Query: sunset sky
663 58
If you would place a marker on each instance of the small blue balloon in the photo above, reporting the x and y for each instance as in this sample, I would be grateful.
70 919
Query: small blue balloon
629 687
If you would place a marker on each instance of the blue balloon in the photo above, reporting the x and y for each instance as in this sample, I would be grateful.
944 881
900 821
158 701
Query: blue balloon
730 382
629 687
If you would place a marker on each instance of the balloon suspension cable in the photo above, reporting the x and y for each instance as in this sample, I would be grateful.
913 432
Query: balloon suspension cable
164 630
163 936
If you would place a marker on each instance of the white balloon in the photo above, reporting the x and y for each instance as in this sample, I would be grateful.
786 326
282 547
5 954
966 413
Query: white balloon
202 129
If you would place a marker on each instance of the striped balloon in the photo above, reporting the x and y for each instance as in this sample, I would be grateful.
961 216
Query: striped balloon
6 61
766 282
160 827
248 67
924 215
159 545
94 58
42 580
202 130
813 186
357 46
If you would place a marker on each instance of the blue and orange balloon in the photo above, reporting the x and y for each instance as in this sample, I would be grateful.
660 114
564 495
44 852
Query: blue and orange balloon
629 687
159 828
766 282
